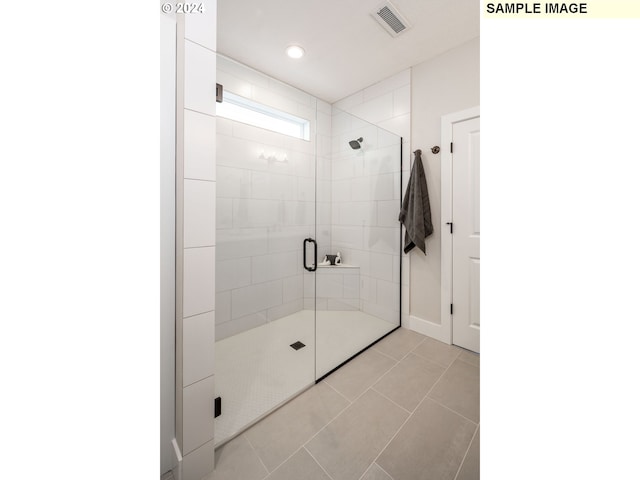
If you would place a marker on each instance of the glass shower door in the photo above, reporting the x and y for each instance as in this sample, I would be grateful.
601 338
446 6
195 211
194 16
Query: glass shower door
307 245
265 324
357 297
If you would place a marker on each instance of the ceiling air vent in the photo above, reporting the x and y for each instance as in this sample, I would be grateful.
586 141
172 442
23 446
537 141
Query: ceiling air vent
390 18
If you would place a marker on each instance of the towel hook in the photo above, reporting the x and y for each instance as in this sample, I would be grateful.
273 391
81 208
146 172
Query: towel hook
435 149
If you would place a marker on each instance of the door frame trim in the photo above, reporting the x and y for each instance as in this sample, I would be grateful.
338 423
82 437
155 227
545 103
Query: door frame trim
446 214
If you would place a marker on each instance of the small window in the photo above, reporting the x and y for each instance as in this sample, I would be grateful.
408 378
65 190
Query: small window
240 109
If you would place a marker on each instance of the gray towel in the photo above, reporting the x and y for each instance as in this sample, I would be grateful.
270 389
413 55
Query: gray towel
416 212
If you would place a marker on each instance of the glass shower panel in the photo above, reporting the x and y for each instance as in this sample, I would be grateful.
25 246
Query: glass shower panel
358 202
265 189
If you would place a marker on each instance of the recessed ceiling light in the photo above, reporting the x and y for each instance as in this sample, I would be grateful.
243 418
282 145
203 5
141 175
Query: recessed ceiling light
295 51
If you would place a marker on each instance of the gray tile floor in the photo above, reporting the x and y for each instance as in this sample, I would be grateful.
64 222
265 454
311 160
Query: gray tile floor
406 409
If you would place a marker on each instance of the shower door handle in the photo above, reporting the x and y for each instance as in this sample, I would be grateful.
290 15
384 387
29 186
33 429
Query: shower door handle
313 267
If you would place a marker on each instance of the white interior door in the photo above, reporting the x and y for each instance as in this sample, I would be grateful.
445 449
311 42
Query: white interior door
466 234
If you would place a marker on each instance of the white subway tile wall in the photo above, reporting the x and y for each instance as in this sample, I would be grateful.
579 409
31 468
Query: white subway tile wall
199 146
199 213
197 418
366 191
199 69
336 288
198 336
386 101
201 28
198 242
266 203
199 291
199 463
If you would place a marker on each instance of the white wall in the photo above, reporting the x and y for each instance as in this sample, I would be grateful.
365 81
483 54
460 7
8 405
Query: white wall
367 174
445 84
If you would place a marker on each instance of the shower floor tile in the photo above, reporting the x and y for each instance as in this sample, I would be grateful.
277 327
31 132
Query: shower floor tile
258 370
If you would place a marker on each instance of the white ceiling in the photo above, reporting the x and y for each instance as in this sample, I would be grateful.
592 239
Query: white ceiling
346 49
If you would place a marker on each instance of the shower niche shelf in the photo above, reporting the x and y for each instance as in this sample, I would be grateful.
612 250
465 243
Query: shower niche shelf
342 265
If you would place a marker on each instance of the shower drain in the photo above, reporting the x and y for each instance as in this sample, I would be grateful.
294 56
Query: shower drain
297 346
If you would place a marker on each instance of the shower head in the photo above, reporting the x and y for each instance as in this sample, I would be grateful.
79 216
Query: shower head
355 144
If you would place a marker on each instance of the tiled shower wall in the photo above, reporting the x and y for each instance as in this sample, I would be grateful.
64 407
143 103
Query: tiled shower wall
366 191
266 203
365 205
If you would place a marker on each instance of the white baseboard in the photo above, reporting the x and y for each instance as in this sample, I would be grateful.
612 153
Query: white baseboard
430 329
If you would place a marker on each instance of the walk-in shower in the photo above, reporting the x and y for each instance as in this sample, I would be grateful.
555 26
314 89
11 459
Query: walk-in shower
285 318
